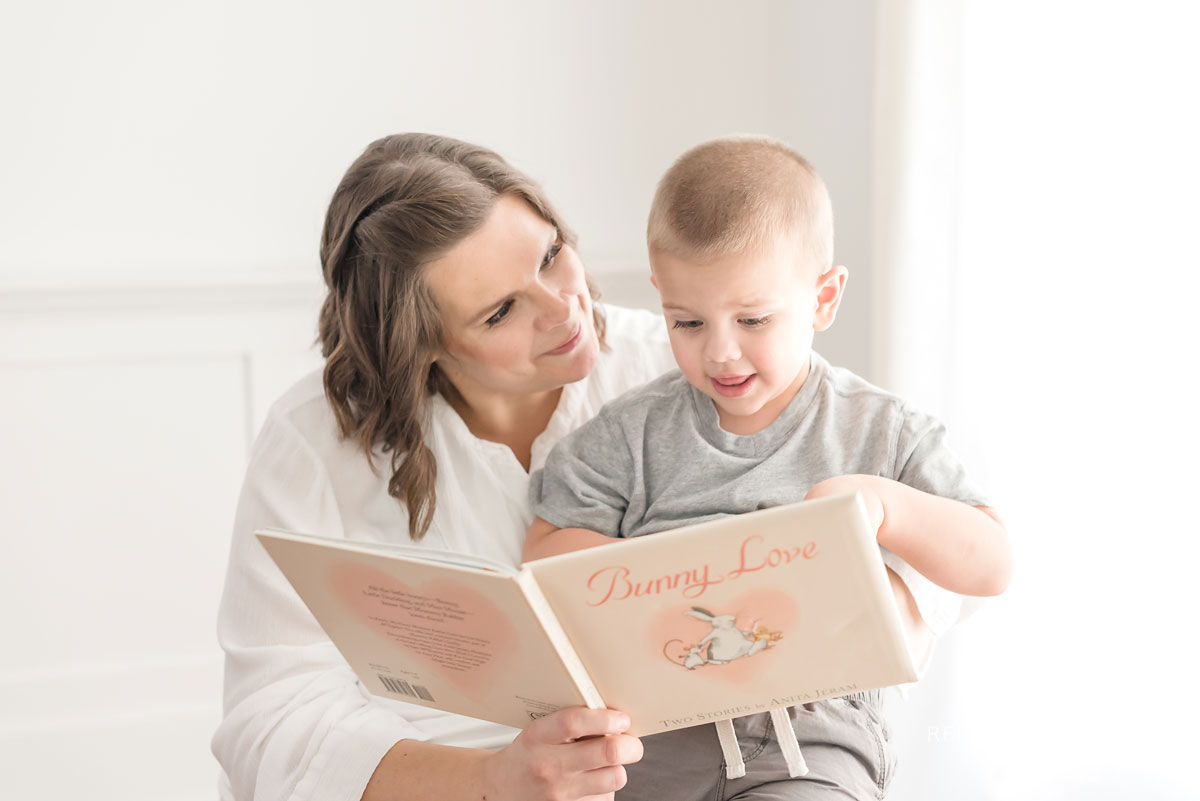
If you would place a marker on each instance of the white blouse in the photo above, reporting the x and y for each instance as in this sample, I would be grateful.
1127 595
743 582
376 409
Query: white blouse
297 724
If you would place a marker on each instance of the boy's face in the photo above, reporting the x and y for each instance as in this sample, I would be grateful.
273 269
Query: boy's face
742 325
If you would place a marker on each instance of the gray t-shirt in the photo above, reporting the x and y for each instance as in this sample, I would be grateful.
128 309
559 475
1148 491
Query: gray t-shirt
656 458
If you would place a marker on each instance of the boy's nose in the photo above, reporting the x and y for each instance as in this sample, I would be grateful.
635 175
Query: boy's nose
721 349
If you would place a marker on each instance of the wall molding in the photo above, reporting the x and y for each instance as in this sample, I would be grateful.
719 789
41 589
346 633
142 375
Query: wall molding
119 296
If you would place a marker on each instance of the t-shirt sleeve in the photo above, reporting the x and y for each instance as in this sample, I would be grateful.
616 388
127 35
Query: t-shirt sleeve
587 479
925 461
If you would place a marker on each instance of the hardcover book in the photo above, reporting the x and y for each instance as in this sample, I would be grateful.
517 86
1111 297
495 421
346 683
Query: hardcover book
772 608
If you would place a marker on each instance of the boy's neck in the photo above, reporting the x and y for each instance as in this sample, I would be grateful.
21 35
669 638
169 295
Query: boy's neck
745 425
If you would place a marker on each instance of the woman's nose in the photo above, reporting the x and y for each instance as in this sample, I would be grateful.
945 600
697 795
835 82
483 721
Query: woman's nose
555 310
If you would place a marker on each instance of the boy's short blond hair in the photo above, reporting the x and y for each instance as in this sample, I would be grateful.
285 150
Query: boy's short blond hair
740 193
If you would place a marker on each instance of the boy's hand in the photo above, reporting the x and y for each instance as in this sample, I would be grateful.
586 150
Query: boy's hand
959 547
546 539
872 489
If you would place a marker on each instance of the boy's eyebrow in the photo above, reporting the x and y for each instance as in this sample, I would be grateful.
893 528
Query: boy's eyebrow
749 303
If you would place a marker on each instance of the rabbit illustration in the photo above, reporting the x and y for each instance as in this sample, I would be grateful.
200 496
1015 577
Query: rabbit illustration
725 642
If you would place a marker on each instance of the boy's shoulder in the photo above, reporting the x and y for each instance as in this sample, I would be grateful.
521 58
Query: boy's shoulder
848 386
856 407
666 392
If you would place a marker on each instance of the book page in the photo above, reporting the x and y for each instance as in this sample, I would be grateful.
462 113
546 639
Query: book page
447 636
778 607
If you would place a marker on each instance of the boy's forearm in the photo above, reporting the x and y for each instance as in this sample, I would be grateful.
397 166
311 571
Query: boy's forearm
962 548
545 539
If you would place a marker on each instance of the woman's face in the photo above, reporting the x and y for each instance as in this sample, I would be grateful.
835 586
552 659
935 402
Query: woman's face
516 312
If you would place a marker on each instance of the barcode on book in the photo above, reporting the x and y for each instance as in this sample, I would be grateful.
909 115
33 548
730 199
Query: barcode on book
404 688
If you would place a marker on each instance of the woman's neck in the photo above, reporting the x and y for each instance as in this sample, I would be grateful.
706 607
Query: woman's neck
515 422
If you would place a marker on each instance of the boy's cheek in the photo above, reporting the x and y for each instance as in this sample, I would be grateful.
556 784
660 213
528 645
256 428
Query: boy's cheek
684 358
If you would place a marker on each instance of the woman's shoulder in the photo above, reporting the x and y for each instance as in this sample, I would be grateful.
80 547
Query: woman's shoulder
301 463
301 418
306 392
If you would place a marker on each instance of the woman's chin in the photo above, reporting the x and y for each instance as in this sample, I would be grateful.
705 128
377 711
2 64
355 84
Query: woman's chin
583 360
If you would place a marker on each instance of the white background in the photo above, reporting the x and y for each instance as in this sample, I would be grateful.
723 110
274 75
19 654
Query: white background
1014 189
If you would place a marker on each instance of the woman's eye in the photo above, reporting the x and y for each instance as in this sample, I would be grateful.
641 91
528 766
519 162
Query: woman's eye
755 322
550 254
500 314
687 325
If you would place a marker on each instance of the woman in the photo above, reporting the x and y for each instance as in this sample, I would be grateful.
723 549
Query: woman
461 342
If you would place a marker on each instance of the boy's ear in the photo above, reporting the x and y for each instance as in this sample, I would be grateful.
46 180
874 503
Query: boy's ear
830 287
653 282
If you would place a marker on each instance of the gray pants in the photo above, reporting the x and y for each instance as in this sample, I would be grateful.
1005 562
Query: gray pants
845 742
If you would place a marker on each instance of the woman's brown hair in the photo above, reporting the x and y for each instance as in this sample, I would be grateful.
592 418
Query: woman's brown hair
405 202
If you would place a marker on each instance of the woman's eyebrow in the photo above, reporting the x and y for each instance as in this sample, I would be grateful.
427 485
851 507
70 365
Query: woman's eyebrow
486 310
553 240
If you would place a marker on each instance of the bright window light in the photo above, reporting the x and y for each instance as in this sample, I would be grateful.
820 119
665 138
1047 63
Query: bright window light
1074 344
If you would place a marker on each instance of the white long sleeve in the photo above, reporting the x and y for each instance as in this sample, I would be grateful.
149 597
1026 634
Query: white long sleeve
297 724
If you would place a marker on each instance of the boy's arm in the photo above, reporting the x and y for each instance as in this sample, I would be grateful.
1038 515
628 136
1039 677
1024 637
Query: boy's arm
547 539
962 548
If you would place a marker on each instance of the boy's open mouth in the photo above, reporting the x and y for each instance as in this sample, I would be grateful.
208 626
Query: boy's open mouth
732 386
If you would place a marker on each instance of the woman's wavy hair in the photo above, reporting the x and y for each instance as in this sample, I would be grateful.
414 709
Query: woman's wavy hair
405 202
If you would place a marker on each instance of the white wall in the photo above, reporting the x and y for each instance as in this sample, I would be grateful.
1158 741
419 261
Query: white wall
125 428
199 142
164 169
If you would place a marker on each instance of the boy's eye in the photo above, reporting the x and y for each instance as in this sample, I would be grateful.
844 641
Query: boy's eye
687 324
550 254
500 314
755 322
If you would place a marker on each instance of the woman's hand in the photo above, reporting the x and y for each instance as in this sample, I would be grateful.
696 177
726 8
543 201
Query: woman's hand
574 753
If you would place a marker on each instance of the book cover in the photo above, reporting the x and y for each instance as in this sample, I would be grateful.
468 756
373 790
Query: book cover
777 607
433 628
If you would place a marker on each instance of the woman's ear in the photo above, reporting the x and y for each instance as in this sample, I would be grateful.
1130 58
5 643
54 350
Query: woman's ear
830 287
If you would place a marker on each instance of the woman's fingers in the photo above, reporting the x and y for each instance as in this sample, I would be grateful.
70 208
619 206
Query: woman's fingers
599 784
577 722
574 753
597 753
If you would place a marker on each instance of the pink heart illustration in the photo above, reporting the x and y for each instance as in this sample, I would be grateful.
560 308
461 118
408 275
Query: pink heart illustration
453 631
673 633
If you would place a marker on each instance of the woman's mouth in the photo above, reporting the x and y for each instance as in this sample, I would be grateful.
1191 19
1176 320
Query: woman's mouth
733 386
570 344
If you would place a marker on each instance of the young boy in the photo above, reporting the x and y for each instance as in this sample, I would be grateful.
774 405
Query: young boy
741 251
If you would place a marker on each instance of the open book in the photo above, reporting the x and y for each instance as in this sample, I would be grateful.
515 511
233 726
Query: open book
772 608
